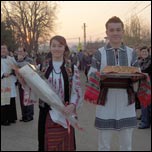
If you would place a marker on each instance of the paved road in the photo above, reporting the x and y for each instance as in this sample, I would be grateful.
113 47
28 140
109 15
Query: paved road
23 136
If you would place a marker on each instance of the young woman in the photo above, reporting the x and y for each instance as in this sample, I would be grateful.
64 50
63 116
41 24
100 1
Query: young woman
65 81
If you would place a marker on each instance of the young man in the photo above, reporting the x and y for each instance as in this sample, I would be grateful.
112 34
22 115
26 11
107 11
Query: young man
116 114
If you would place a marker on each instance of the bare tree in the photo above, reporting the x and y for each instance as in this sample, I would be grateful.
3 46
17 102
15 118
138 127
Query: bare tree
136 33
31 21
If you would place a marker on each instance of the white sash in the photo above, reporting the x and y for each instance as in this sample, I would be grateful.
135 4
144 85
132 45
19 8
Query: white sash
5 83
5 91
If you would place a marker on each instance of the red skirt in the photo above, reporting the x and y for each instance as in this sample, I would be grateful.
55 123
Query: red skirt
57 137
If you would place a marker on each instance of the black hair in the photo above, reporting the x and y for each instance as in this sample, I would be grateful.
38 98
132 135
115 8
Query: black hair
144 47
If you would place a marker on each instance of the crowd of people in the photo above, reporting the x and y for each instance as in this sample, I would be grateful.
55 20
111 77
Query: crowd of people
62 69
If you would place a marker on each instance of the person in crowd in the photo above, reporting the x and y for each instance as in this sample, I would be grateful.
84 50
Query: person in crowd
137 102
38 61
80 59
74 58
137 49
150 51
8 90
46 62
11 53
27 110
87 62
64 79
116 112
145 65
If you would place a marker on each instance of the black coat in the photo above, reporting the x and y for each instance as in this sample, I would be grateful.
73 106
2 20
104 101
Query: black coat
145 65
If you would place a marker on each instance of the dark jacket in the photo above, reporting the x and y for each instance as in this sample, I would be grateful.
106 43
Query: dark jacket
145 65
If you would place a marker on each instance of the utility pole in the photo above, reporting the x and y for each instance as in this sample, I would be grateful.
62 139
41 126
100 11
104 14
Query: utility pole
84 29
79 40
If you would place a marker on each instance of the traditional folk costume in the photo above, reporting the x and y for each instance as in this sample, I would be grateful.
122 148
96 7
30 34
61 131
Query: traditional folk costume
27 110
8 91
51 135
116 112
145 65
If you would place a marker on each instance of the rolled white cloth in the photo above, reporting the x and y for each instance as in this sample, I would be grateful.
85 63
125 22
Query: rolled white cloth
43 91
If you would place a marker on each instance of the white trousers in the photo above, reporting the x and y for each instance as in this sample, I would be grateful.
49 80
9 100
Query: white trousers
125 139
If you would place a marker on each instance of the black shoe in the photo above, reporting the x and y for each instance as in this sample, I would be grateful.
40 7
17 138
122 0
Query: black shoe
139 118
7 123
13 121
21 120
27 120
143 127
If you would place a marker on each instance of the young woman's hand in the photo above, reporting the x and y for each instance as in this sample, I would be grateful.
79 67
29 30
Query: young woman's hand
69 109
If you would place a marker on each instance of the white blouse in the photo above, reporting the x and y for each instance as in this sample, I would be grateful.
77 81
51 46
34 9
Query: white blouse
57 84
56 80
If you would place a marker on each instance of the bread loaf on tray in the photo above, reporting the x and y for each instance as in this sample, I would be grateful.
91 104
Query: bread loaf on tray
120 69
